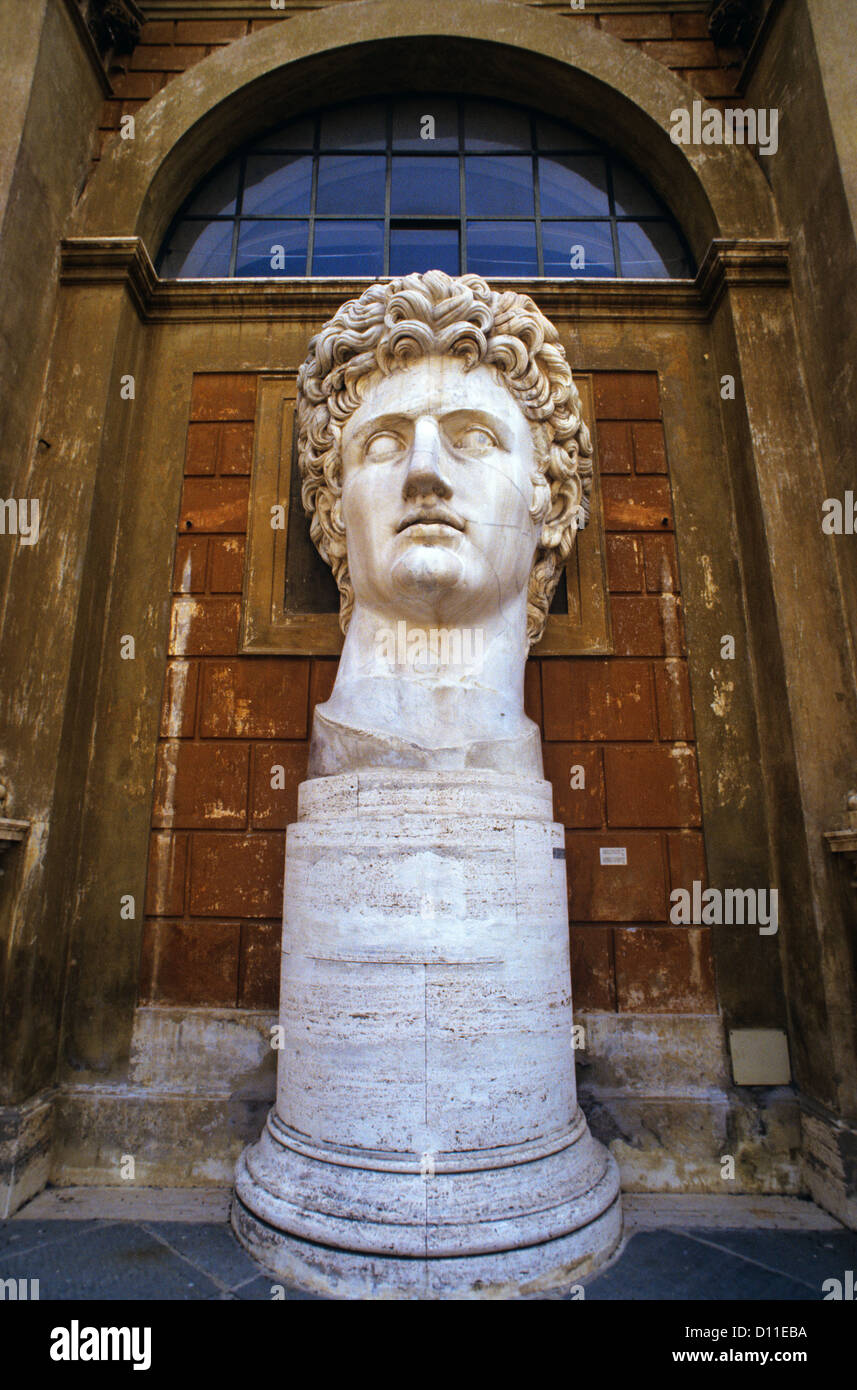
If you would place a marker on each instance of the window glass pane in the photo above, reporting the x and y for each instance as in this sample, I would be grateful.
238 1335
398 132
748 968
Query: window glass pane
424 186
573 186
359 127
410 128
499 185
216 197
348 248
272 248
578 248
651 251
319 199
297 135
631 196
424 248
550 135
278 184
488 126
502 248
351 183
198 250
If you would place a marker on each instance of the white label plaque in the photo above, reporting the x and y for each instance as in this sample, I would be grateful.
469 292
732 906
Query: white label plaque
614 856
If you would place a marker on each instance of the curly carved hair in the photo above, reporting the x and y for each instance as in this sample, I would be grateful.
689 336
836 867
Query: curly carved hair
395 324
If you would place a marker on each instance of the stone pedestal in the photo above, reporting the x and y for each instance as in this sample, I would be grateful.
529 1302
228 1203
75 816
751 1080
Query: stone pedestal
426 1139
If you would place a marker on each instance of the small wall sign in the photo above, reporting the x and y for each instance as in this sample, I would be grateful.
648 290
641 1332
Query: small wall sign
613 856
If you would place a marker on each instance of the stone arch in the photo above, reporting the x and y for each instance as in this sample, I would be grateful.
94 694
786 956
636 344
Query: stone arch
572 71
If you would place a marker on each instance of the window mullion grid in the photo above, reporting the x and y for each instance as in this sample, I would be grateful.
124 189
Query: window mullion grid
388 180
313 197
614 230
239 208
537 199
462 211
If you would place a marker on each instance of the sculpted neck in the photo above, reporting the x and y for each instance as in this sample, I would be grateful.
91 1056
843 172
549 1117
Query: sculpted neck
426 693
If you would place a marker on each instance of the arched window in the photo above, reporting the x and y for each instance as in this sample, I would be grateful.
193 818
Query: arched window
389 187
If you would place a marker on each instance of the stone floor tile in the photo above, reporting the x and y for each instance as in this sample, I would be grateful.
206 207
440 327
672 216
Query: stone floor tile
120 1261
663 1265
809 1257
210 1248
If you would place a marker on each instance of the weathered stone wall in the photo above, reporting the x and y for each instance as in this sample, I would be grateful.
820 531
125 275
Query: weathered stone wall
678 38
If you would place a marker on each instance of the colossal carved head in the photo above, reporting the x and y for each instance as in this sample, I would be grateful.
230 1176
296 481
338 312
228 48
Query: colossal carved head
392 327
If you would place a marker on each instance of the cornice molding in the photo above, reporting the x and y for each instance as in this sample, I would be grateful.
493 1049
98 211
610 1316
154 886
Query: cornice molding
743 263
81 28
124 261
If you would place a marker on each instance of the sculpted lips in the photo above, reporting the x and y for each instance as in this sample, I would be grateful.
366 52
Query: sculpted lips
431 516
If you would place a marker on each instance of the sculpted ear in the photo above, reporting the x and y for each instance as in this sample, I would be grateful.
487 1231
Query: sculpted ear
541 503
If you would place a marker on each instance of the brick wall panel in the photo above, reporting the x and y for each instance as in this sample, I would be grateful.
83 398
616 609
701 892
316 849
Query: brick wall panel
637 26
712 82
638 628
236 448
190 565
632 892
165 886
205 626
226 565
203 442
672 698
221 396
178 717
624 556
636 504
649 450
215 504
690 26
236 875
259 697
683 53
191 963
259 965
664 970
626 396
651 786
111 115
275 808
615 450
166 57
595 700
579 807
137 85
686 858
199 784
158 31
209 30
661 559
593 984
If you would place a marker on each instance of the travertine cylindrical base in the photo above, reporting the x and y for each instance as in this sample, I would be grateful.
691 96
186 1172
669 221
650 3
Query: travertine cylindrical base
426 1139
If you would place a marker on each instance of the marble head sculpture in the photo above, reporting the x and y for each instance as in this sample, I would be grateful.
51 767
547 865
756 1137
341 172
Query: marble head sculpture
426 1139
446 469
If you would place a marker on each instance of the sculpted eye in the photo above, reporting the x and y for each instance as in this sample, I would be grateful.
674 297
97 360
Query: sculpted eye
382 446
475 439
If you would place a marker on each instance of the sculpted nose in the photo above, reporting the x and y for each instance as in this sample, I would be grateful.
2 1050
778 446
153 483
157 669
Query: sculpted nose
425 476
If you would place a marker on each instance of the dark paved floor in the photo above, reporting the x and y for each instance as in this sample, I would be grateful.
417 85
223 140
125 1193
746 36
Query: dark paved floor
186 1260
